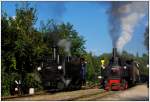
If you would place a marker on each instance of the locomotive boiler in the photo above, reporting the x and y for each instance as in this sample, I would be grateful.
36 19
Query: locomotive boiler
120 74
61 72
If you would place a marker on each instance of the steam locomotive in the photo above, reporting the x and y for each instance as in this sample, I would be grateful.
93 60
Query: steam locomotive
62 72
120 74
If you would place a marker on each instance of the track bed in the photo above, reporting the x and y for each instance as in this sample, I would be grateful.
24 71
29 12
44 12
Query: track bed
139 92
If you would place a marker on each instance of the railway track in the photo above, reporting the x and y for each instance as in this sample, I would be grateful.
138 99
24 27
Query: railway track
21 96
89 97
85 94
49 97
82 95
72 96
46 92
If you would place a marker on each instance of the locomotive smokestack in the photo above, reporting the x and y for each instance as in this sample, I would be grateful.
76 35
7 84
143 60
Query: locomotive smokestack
54 48
114 52
114 56
55 54
68 58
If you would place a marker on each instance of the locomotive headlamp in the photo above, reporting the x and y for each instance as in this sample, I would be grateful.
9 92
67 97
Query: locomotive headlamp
16 89
39 68
99 77
125 67
59 67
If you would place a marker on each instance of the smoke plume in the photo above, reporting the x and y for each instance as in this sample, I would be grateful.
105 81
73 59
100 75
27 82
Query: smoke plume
123 18
58 10
66 44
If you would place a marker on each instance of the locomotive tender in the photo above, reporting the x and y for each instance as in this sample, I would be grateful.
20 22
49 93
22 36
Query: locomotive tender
61 72
120 74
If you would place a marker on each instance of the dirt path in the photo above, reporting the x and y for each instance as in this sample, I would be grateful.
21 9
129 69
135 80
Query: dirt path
137 93
72 95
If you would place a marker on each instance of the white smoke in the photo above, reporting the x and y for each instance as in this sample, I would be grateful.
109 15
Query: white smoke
135 11
128 15
66 44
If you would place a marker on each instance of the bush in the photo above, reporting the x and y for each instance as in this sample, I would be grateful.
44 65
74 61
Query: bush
5 85
7 82
32 80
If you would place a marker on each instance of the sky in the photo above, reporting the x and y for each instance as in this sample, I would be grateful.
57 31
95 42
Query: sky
89 19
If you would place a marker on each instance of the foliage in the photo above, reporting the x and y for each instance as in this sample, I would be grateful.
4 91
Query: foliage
93 68
23 46
53 33
90 67
32 80
105 57
143 62
5 84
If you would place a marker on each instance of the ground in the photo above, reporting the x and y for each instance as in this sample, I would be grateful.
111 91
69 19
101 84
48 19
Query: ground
139 92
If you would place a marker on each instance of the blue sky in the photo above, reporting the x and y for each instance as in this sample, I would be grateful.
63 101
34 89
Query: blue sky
89 19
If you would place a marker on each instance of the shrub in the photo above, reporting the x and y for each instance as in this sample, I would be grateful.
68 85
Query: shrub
7 82
32 80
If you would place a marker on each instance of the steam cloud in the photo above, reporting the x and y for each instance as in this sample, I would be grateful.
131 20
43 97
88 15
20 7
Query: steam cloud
123 17
66 44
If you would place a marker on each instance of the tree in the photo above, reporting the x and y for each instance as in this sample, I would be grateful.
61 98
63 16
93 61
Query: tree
53 33
90 67
77 42
21 45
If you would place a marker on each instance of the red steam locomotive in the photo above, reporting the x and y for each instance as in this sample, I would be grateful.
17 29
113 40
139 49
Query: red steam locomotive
119 74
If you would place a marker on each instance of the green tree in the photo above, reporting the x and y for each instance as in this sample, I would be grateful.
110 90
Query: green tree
77 42
90 67
21 45
53 33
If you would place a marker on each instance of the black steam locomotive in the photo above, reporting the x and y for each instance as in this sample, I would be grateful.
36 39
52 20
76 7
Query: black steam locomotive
120 74
62 72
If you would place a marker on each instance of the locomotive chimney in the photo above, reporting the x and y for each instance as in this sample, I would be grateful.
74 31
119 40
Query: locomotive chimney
68 58
114 53
58 59
54 52
114 56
